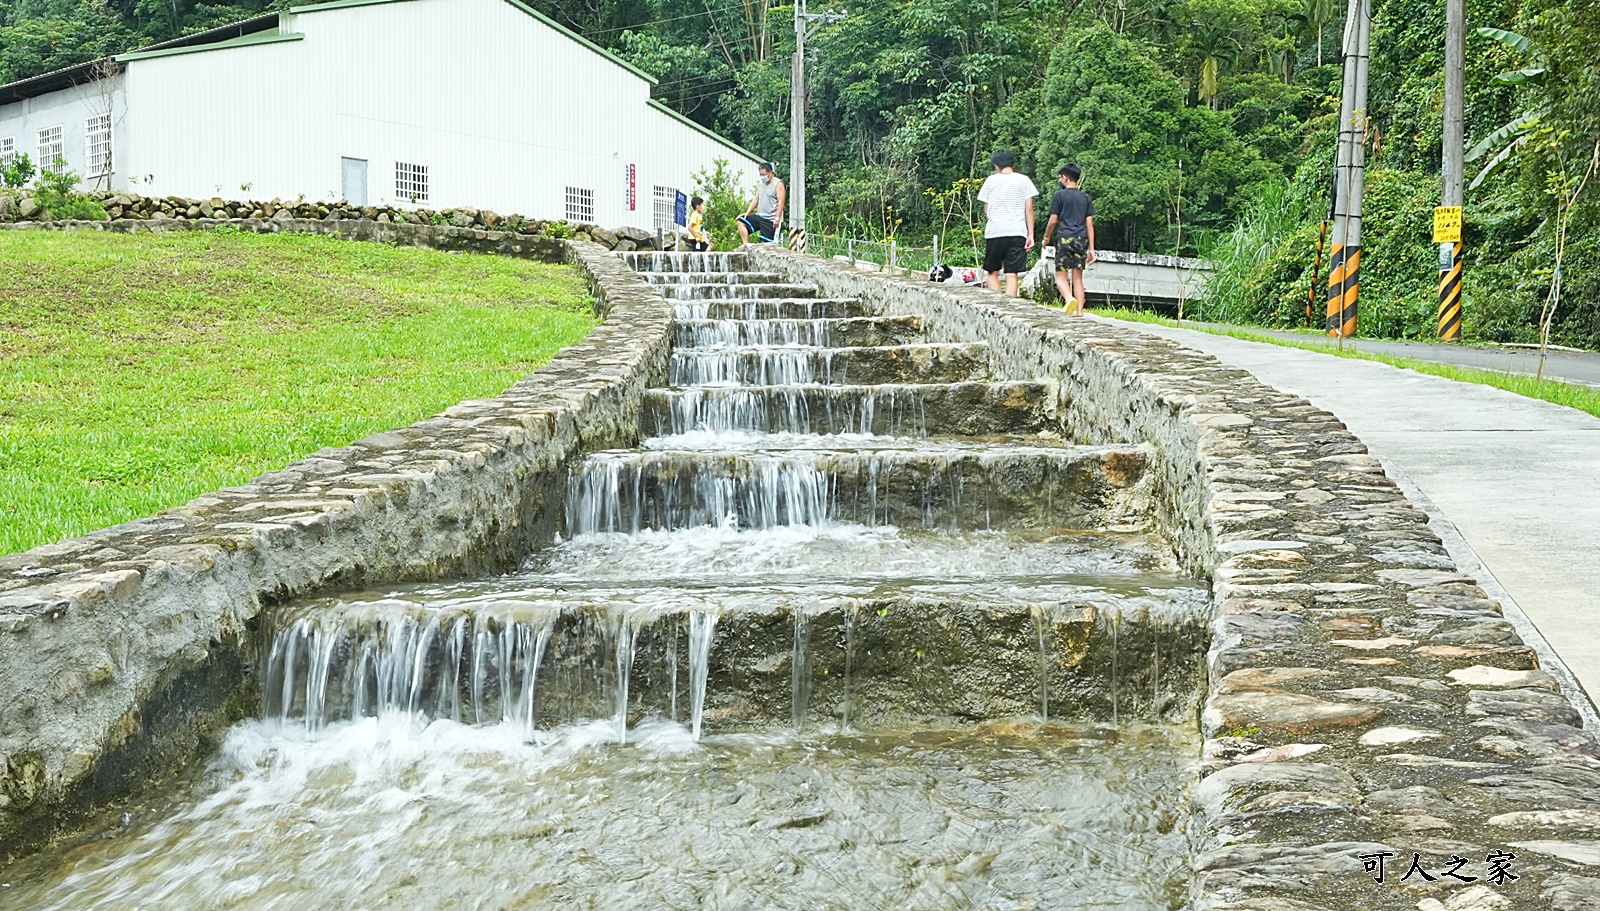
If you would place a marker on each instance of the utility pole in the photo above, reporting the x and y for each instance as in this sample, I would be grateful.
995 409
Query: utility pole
803 26
1344 268
1447 220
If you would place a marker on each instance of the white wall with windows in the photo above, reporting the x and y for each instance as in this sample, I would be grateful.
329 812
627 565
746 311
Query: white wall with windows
552 137
66 123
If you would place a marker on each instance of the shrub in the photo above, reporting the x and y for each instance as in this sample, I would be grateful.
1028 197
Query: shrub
55 194
19 172
725 201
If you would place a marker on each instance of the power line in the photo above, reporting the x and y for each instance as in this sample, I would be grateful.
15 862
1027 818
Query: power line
695 15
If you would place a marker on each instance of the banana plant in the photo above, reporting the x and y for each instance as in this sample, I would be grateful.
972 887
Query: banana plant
1514 134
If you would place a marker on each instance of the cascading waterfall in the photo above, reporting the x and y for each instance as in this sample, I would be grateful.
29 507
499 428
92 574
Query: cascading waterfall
702 626
627 636
917 522
800 671
1041 628
750 366
727 333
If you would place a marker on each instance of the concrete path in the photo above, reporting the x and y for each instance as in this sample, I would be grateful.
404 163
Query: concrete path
1518 478
1568 366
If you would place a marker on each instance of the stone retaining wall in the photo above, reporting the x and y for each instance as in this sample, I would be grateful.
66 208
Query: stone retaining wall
123 652
1365 697
23 206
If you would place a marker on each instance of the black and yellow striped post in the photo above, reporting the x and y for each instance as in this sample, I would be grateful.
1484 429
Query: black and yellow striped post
1447 234
1344 290
797 240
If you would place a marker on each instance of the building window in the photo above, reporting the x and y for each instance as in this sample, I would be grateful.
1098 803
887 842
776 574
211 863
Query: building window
411 182
97 145
666 204
580 205
52 151
8 151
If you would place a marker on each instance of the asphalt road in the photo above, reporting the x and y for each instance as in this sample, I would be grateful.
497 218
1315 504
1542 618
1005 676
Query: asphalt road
1572 367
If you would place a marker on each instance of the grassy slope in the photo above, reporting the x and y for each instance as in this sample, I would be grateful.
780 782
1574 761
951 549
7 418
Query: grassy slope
137 372
1571 395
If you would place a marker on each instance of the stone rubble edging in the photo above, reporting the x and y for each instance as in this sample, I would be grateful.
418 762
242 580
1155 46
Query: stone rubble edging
106 640
1365 696
24 207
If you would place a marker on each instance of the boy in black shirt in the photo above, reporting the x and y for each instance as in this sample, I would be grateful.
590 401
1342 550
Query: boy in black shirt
1071 228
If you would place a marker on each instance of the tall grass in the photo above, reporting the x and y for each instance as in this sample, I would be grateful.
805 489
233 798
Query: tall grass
1244 283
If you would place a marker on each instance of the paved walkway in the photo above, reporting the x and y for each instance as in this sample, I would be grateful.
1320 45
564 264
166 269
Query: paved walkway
1569 366
1518 478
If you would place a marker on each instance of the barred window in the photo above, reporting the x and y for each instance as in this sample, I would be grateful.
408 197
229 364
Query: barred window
8 151
580 205
666 204
97 145
411 182
52 151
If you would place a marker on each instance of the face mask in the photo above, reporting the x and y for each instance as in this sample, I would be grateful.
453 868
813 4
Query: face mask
766 178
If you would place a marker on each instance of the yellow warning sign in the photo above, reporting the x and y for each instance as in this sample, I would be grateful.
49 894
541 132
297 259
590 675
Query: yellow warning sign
1447 224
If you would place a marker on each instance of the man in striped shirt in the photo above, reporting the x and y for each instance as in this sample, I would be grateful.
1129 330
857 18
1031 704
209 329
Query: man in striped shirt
1007 199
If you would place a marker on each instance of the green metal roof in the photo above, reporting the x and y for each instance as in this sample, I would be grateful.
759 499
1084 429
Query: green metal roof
271 36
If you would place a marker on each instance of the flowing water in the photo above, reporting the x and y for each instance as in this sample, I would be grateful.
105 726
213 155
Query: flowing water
847 630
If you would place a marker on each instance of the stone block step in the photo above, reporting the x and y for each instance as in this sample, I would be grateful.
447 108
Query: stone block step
717 291
781 308
968 409
938 488
778 366
714 278
852 332
746 658
648 261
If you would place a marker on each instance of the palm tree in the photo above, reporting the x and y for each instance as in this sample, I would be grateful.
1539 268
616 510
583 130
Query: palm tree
1318 14
1216 47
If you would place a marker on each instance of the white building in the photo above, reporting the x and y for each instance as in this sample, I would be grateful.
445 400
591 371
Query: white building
436 103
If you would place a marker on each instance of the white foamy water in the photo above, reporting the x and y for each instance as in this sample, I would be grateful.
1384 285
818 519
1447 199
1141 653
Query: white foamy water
394 813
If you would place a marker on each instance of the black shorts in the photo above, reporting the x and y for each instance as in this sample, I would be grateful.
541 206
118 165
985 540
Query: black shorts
1006 254
1072 252
699 246
760 228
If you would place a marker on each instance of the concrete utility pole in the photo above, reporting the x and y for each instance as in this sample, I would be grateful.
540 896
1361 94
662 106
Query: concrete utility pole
1344 274
797 119
1449 241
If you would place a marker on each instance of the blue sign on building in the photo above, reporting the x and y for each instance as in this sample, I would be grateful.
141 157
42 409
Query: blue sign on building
680 210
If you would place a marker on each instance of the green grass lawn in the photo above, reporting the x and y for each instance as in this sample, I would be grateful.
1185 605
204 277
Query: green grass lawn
1572 395
137 372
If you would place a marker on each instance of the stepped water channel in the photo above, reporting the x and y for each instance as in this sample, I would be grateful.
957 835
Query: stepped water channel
853 627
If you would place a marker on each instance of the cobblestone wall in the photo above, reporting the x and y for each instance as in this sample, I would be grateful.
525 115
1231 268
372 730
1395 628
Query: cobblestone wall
1366 698
123 652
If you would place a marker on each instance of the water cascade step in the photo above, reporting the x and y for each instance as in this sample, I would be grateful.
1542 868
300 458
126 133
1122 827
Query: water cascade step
830 520
795 365
856 332
950 487
909 409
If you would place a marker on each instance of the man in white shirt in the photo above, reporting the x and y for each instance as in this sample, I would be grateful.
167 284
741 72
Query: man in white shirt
1007 199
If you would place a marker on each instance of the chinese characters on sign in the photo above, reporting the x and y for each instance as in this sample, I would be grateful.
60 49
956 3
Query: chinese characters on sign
1497 866
632 176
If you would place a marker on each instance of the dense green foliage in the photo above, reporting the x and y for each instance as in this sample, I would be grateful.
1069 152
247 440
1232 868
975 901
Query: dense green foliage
144 370
1188 115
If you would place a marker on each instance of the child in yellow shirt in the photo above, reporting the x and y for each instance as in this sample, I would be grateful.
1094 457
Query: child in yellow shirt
698 240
